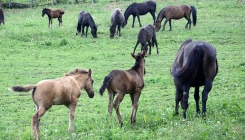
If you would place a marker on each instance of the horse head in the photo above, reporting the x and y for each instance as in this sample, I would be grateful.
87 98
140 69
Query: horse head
158 25
94 31
89 84
124 23
44 11
112 31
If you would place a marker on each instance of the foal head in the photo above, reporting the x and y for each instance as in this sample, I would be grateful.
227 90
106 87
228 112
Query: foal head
89 84
45 11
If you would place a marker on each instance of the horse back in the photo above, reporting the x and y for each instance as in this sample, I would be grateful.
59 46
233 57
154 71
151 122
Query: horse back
117 14
176 12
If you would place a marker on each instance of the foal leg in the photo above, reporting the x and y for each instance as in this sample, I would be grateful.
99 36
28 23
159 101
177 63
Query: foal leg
116 105
35 122
149 43
197 98
82 30
133 21
134 98
110 104
164 24
170 25
178 97
184 101
72 108
119 30
86 31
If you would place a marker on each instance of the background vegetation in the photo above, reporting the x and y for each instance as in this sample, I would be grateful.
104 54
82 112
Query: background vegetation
30 52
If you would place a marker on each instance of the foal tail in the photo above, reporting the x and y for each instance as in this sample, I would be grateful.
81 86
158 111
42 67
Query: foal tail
26 88
105 84
187 73
194 15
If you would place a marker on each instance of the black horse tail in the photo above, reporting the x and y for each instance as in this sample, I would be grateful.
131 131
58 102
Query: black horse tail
105 84
187 73
194 15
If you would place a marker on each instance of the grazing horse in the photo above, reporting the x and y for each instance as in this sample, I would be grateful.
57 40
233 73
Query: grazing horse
117 18
86 20
121 82
146 34
61 91
1 16
176 12
195 65
137 9
53 14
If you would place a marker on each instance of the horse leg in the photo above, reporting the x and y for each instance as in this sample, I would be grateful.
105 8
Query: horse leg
72 108
155 40
164 24
137 43
134 98
206 90
170 25
119 30
86 31
35 122
133 21
82 30
154 17
178 97
139 20
149 43
184 101
110 104
116 105
188 22
197 98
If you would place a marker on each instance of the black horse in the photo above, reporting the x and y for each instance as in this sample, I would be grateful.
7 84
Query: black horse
86 20
117 19
195 65
146 34
137 9
1 16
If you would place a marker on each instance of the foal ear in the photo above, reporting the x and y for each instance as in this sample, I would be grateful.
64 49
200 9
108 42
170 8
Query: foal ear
133 56
89 72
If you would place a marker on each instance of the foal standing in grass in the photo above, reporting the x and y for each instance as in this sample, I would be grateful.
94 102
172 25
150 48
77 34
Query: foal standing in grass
61 91
53 14
123 82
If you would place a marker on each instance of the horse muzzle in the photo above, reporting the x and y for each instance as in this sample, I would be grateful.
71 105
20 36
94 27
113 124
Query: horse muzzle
91 95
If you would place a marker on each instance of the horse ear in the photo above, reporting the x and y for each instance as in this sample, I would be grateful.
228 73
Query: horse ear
143 53
133 56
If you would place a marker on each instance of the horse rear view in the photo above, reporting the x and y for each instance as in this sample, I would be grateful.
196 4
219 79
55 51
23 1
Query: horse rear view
176 12
123 82
146 35
86 20
195 65
117 18
53 14
137 9
1 16
61 91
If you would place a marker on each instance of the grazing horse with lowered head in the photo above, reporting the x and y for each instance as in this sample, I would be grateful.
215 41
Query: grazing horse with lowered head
123 82
176 12
147 34
117 18
86 20
61 91
137 9
1 16
53 14
195 65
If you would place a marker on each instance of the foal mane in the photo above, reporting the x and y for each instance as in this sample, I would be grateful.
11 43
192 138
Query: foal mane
76 71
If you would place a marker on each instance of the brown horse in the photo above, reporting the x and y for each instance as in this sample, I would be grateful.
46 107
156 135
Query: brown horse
176 12
53 14
61 91
121 82
117 18
1 16
195 65
146 34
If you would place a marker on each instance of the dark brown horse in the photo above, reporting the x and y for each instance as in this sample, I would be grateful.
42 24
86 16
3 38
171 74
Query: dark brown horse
61 91
195 65
86 20
53 14
176 12
117 18
146 34
123 82
137 9
1 16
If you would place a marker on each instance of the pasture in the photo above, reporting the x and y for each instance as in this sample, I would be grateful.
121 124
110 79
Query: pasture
31 52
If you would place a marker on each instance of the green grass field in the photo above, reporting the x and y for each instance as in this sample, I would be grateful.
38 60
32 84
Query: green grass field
31 52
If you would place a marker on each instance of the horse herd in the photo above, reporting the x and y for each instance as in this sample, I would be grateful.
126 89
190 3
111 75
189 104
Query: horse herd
195 65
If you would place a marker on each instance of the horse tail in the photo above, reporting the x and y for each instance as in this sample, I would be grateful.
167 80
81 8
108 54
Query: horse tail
26 88
105 84
194 15
187 73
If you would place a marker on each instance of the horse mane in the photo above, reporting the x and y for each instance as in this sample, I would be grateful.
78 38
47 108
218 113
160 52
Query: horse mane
127 10
76 71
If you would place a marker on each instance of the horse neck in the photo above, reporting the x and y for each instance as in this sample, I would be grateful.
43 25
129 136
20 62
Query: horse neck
140 68
80 80
160 15
91 22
